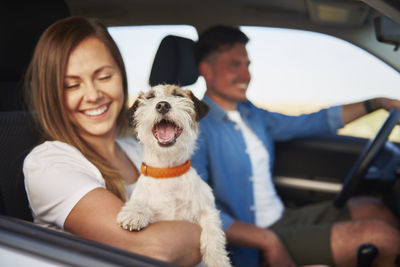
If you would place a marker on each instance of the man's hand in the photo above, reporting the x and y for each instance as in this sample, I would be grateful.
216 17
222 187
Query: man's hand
385 103
354 111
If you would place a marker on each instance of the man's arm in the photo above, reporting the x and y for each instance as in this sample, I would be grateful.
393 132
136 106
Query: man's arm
248 235
354 111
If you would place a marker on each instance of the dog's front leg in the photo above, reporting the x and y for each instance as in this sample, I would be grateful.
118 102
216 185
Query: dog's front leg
212 240
135 215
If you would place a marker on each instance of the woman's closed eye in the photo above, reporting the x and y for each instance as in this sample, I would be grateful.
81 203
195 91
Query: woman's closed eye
105 77
71 86
72 83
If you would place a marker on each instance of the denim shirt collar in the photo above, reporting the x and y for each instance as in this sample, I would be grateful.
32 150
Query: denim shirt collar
220 115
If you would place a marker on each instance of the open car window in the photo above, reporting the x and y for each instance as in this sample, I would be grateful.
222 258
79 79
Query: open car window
293 71
139 44
296 71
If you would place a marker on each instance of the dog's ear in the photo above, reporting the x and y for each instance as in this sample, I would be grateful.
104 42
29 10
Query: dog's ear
132 110
201 108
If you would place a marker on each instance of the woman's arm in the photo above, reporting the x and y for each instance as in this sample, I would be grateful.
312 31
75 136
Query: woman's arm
94 217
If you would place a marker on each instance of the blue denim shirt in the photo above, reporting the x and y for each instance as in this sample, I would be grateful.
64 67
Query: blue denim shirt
221 158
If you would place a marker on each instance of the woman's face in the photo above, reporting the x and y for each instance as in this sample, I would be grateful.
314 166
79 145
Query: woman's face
93 89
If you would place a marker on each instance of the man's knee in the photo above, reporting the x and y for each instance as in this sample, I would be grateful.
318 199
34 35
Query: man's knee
346 237
371 208
366 230
379 231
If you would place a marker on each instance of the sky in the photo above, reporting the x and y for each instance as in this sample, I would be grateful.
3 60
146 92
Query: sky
286 65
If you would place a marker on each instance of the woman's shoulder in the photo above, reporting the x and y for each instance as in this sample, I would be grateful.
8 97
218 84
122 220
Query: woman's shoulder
57 176
55 159
52 153
53 150
50 145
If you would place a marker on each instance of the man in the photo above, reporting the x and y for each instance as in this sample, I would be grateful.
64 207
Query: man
235 155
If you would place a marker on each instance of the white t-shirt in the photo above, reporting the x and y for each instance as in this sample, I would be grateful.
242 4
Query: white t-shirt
268 206
57 176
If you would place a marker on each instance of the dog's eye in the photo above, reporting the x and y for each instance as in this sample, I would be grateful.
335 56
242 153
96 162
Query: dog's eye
176 93
150 96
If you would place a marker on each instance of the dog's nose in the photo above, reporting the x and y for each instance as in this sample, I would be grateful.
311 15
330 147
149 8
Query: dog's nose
163 107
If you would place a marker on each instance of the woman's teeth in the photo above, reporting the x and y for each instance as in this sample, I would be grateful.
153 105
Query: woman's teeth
97 111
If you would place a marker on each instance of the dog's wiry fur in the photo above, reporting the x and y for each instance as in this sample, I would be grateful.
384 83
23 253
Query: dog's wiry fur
186 197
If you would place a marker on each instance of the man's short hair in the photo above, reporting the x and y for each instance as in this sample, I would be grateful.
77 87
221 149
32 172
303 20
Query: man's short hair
217 37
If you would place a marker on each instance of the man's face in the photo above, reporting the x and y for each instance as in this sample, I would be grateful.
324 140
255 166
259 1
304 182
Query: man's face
227 76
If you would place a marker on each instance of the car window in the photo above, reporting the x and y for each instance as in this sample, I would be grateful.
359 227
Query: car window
139 44
293 71
296 71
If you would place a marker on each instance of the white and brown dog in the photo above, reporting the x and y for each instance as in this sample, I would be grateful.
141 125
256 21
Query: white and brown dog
165 121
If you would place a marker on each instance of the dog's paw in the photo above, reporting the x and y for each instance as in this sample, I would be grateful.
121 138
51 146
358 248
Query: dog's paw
134 217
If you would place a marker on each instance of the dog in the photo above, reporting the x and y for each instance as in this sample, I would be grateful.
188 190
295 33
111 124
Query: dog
165 120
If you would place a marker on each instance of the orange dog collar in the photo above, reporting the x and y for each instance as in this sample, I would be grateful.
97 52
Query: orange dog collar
165 172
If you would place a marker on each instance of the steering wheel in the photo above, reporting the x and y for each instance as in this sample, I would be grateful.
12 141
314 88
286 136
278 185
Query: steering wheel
364 161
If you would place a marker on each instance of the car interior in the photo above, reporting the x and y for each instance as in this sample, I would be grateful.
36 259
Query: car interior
307 170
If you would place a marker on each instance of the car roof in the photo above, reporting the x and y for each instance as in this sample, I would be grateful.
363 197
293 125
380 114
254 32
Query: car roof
203 13
349 20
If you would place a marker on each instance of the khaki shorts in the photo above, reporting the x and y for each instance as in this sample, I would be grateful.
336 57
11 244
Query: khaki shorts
306 231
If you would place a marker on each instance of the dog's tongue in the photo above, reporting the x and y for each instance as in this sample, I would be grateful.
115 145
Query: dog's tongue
165 132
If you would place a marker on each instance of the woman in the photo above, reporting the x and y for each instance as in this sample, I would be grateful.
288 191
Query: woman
79 178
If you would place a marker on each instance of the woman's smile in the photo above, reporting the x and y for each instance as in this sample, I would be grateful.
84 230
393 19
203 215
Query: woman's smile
97 113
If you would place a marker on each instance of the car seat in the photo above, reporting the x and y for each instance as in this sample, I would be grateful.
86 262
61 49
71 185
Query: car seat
22 23
174 62
17 137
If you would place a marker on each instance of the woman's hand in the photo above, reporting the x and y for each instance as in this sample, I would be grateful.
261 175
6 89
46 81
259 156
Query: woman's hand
95 217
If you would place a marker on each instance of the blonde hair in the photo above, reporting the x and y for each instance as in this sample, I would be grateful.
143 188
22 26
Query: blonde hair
45 85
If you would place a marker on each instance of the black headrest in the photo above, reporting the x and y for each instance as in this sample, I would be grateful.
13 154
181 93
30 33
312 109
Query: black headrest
174 62
17 137
21 24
